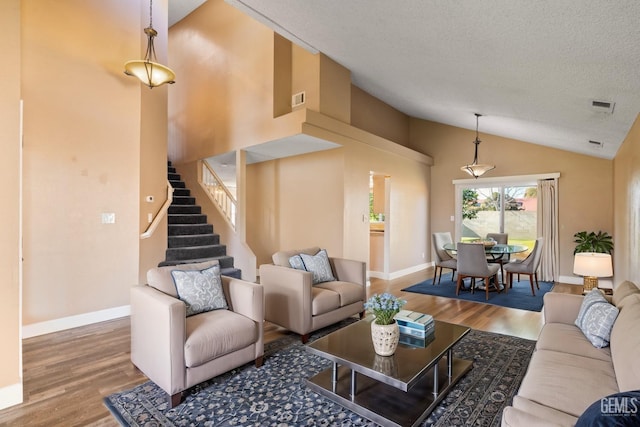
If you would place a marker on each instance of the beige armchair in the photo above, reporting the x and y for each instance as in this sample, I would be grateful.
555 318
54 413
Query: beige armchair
295 303
177 352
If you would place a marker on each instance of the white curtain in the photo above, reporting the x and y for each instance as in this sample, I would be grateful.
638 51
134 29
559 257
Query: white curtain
548 229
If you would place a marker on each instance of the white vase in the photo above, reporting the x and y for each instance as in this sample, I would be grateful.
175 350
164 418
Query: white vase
385 338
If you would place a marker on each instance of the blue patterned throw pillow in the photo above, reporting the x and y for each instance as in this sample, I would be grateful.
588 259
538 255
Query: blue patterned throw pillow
319 266
201 290
296 262
594 296
596 318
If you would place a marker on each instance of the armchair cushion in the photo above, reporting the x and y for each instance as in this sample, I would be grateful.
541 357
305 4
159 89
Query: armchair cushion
348 292
297 263
200 290
216 333
282 258
319 266
160 277
323 301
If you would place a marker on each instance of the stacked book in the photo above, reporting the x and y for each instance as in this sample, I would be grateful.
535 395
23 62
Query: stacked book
415 324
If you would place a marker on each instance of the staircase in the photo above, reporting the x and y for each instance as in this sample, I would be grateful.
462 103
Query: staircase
191 238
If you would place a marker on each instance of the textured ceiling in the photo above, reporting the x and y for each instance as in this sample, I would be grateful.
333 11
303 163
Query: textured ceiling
531 68
178 9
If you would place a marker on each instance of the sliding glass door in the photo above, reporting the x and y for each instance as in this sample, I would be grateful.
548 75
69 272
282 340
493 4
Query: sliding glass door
502 208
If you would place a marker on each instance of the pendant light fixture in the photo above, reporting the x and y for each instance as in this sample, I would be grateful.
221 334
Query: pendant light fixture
148 70
475 169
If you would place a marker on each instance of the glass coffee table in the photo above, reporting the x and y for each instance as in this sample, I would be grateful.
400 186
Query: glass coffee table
398 390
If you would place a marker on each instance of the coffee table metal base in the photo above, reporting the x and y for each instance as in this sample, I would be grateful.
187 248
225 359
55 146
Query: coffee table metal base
384 404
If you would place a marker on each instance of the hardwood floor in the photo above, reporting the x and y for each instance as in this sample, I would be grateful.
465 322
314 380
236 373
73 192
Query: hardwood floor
67 374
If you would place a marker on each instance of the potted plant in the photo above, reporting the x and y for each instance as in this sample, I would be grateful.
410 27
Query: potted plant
385 333
600 242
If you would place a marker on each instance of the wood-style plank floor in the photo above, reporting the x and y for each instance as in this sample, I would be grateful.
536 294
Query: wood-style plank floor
67 374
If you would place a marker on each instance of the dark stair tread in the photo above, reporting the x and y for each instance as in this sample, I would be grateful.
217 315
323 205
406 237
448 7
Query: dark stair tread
199 247
184 209
192 219
220 259
189 238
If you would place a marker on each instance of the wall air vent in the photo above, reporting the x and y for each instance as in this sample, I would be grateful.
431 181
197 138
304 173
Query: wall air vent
595 144
298 99
602 106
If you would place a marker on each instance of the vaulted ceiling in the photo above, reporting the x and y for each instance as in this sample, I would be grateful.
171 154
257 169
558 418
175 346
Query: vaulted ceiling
533 69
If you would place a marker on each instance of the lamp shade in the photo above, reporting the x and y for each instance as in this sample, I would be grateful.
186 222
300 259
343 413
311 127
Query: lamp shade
592 264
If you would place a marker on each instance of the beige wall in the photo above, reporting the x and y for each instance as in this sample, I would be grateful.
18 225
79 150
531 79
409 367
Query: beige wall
82 130
626 165
223 99
586 200
153 147
10 356
296 202
370 114
322 199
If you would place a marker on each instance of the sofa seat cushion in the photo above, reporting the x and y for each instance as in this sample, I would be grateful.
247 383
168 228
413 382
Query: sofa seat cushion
347 291
570 339
324 300
549 415
216 333
567 382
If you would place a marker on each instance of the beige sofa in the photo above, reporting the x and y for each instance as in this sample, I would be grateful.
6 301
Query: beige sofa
567 373
295 303
177 352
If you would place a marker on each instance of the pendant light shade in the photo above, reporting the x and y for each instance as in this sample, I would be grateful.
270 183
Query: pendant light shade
148 70
476 169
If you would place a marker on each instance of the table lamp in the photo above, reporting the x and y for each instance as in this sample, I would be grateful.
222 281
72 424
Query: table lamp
592 265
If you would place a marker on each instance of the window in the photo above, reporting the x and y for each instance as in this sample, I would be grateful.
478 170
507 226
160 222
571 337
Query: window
498 205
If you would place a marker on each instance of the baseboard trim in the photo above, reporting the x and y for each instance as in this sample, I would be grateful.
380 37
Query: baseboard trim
410 270
11 395
572 280
41 328
399 273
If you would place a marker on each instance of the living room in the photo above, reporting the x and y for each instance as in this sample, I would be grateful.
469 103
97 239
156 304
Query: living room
94 142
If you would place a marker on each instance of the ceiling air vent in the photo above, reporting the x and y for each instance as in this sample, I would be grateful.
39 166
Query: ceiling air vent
595 144
603 106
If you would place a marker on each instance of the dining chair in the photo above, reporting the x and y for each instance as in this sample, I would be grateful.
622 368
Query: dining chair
472 262
443 258
528 266
501 239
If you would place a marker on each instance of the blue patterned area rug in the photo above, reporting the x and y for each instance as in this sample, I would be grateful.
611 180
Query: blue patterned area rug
275 394
519 295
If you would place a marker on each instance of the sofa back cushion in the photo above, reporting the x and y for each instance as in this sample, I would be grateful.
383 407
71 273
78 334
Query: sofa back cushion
622 291
160 277
282 258
625 344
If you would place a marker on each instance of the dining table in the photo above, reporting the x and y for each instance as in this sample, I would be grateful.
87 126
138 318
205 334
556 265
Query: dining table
494 251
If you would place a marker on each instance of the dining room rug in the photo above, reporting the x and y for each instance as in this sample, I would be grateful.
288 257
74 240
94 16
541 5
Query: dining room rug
275 394
519 296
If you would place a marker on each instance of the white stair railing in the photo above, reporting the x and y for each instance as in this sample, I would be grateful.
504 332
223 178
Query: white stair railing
219 194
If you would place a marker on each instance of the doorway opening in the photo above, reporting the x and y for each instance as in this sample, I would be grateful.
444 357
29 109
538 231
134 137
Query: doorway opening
379 230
